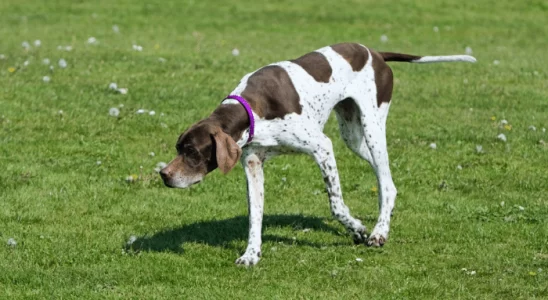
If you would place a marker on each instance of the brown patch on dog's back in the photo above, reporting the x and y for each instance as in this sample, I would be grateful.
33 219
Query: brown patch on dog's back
271 93
315 64
383 78
355 54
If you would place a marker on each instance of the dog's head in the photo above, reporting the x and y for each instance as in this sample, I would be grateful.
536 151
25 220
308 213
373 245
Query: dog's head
200 150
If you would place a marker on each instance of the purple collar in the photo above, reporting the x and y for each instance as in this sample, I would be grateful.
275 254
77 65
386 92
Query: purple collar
247 107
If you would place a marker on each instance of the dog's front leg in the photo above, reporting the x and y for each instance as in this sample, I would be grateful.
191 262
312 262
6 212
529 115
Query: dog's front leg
253 166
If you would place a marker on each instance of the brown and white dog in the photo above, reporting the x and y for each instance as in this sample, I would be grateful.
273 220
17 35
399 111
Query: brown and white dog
291 102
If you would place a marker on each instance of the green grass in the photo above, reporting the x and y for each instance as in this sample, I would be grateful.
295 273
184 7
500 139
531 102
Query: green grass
71 218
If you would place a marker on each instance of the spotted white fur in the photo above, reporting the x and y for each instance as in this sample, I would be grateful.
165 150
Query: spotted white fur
364 132
304 133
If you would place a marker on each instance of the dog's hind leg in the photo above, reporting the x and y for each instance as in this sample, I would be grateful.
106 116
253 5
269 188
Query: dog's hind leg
321 149
376 142
373 148
363 128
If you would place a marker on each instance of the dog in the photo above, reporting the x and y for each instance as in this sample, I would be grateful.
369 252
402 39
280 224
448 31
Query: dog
282 108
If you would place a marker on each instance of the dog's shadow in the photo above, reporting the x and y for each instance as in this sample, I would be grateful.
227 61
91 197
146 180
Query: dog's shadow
221 233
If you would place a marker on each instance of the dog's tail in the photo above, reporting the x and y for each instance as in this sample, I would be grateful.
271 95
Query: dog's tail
389 56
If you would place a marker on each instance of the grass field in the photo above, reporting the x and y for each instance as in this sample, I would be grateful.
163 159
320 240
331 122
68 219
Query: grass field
467 224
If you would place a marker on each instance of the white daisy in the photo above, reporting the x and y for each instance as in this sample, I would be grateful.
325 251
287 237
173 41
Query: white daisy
131 178
62 63
92 40
46 79
160 166
37 43
384 38
235 52
131 240
502 137
113 111
12 242
468 50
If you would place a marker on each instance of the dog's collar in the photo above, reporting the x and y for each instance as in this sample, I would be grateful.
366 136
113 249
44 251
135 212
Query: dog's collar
247 107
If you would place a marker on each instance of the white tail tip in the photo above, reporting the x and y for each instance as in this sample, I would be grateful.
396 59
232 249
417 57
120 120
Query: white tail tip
447 58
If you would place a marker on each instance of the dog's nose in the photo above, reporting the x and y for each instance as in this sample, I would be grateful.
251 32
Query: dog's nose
164 173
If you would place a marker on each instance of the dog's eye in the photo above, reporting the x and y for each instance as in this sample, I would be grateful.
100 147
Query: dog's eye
192 156
189 151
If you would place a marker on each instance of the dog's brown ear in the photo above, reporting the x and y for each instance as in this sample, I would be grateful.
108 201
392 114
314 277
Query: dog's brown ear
228 152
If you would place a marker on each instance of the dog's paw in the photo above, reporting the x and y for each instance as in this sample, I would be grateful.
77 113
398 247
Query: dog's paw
360 235
376 240
248 259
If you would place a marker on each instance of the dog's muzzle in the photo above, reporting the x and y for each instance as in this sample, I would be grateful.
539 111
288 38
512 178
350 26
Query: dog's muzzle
177 181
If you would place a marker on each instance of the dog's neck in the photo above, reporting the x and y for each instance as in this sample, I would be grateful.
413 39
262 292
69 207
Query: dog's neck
233 120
